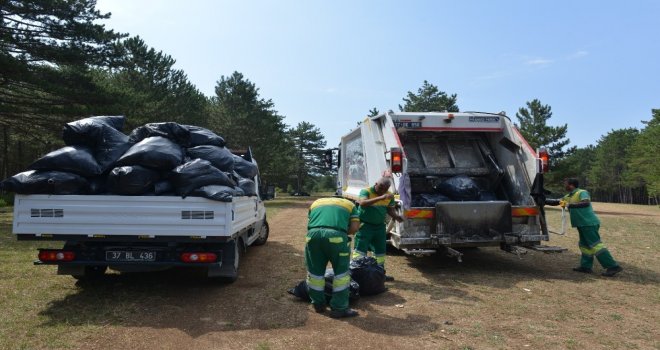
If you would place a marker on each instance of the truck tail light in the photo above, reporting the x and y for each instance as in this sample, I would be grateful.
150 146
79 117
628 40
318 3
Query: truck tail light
396 160
544 158
56 255
198 257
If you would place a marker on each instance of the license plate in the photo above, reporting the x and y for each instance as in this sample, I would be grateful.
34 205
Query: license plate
130 256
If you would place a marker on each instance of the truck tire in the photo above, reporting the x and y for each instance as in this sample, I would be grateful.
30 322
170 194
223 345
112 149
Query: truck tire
263 235
92 273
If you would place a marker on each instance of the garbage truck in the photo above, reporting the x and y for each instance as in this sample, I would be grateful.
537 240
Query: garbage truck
497 177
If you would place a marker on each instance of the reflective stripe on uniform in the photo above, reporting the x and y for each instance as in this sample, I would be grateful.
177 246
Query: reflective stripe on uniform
336 239
340 202
343 254
380 259
341 282
315 282
592 251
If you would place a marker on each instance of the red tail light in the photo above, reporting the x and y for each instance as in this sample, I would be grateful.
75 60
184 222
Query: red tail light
396 160
56 255
198 257
545 160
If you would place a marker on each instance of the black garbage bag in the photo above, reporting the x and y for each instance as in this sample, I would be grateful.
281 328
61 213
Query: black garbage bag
92 131
428 199
459 188
195 174
170 130
46 182
219 157
73 159
371 277
155 152
200 136
487 196
248 187
163 187
217 193
301 290
98 184
244 168
132 180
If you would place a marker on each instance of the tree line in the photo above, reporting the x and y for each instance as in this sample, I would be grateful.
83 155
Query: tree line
59 64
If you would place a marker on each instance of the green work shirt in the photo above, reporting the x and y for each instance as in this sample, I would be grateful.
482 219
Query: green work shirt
375 213
581 216
332 213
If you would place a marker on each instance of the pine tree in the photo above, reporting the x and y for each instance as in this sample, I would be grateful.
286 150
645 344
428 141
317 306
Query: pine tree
533 126
309 144
429 99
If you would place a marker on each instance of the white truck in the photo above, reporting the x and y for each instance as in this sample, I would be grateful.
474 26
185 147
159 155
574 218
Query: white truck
141 233
421 150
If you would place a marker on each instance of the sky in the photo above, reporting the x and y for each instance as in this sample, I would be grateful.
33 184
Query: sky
596 63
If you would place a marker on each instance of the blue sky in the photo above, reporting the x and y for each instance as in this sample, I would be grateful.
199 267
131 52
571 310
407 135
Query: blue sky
597 63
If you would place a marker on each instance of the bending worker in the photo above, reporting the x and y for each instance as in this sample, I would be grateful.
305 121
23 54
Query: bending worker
374 203
578 203
330 221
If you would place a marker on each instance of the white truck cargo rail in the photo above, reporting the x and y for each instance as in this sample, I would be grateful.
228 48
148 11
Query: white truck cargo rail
148 216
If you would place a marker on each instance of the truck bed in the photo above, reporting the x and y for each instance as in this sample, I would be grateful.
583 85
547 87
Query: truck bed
55 216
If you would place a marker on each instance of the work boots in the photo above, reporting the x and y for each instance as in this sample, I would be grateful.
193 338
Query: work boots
343 313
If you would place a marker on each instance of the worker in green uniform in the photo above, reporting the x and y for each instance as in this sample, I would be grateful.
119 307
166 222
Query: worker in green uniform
578 203
375 202
331 220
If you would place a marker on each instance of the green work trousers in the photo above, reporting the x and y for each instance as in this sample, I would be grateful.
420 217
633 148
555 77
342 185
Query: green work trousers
590 246
370 236
323 246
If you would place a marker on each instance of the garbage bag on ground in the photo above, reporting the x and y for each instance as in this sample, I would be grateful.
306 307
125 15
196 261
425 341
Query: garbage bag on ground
200 136
132 180
46 182
195 174
428 199
153 152
244 168
220 157
248 187
170 130
369 275
73 159
217 193
301 290
459 188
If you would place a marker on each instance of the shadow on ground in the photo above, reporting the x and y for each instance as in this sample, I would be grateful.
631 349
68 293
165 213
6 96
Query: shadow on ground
183 299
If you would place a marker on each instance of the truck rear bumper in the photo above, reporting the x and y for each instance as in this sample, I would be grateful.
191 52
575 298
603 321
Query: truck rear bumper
439 242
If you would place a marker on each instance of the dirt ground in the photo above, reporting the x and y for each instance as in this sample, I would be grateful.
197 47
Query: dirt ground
493 300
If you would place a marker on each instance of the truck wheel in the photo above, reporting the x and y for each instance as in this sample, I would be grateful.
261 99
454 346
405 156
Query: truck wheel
92 273
263 235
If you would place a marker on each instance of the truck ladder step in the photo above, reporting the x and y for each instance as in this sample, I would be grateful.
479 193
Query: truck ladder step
548 249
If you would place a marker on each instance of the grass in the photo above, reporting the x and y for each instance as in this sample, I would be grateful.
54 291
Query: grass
484 297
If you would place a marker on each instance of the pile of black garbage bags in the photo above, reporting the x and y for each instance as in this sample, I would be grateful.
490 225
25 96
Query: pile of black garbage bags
456 188
163 159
